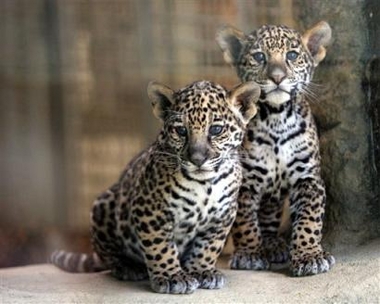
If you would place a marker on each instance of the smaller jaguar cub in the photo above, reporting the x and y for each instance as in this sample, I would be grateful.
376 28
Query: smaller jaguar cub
168 216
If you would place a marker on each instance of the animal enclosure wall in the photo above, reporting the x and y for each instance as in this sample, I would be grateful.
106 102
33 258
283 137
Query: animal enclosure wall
74 110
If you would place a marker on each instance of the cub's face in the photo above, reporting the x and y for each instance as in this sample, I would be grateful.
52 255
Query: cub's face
276 59
279 59
204 124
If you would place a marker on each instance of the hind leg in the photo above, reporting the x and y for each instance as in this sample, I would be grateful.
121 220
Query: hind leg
247 237
127 271
109 245
123 267
275 246
276 249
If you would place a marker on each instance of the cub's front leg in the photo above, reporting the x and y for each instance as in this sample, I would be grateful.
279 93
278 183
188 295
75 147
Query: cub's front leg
161 253
307 206
201 260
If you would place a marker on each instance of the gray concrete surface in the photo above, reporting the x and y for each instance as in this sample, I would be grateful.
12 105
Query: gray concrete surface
355 279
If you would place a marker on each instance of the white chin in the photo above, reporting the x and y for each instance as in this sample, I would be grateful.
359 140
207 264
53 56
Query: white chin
277 98
201 174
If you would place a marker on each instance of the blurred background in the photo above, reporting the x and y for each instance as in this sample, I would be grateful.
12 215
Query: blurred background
73 103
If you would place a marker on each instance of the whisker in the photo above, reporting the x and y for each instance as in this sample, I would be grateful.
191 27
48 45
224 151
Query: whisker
315 84
311 90
165 153
170 160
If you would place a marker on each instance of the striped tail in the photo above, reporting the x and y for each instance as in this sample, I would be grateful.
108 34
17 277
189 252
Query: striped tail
77 262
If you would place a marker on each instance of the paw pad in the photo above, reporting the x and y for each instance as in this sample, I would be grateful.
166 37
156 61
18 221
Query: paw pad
177 284
311 265
249 261
211 279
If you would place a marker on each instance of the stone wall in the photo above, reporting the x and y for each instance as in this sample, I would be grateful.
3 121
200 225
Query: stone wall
348 116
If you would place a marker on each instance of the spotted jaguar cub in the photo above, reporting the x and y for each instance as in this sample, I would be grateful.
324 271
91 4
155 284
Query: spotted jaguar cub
168 216
280 153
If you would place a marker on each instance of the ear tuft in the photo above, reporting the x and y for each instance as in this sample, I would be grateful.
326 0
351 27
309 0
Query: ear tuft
161 98
231 41
243 99
316 39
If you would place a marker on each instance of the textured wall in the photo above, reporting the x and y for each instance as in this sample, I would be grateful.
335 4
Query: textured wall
73 103
347 114
73 107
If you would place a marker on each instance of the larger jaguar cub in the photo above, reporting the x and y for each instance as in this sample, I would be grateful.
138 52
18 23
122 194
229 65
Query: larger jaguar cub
280 153
168 216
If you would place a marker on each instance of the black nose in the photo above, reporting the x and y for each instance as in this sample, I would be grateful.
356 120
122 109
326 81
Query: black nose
197 153
198 158
276 73
277 78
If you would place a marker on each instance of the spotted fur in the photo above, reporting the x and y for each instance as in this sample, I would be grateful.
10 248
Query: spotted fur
168 216
280 153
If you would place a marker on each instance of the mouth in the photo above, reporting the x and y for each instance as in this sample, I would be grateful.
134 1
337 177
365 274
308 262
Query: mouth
200 174
201 170
278 89
276 95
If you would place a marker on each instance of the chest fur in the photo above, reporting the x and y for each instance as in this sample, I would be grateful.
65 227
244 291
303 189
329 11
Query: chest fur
197 206
281 147
183 205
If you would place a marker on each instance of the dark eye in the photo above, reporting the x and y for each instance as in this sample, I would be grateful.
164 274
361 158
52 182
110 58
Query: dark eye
215 130
259 57
181 131
292 55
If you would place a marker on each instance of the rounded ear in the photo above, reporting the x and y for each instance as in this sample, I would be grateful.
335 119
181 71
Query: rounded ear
243 99
231 41
161 98
316 39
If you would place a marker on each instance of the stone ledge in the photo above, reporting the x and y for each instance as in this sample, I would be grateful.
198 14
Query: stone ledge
355 279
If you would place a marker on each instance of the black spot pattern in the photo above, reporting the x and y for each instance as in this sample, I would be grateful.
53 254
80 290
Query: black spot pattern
168 216
281 160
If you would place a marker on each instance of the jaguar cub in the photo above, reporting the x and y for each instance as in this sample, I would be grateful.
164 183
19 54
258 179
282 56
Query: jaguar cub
280 153
168 216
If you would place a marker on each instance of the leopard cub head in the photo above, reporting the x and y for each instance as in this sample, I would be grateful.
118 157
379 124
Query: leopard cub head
279 59
203 123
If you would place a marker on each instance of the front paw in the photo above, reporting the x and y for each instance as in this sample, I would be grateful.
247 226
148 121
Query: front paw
176 284
210 279
249 261
312 264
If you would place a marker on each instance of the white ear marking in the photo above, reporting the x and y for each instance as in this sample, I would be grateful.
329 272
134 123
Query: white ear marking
316 39
161 97
243 100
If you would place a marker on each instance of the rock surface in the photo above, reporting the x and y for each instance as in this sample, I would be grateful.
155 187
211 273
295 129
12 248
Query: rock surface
355 279
347 114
